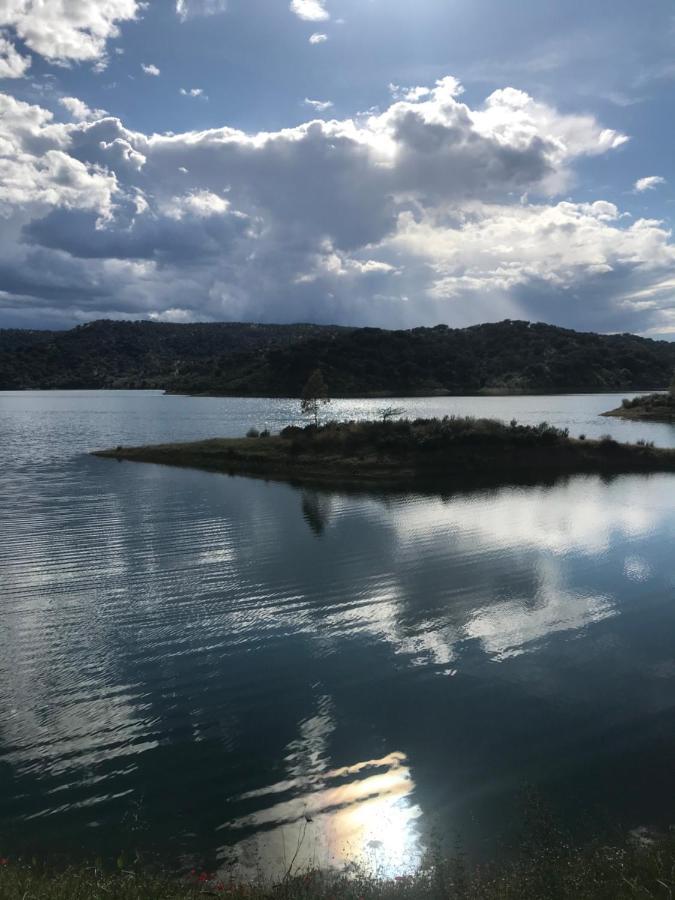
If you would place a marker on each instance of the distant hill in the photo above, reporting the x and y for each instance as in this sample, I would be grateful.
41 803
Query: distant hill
106 354
275 360
506 357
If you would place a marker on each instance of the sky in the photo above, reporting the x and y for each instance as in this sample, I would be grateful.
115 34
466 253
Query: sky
363 162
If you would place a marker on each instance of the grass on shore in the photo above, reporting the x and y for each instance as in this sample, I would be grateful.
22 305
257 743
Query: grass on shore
599 872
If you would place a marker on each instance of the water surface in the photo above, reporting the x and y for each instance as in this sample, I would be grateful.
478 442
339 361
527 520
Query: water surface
223 670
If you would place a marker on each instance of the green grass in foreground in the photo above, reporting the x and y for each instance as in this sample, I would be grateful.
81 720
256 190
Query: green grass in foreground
600 872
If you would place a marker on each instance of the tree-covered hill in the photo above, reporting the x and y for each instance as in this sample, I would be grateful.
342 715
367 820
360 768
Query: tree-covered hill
275 360
106 354
506 357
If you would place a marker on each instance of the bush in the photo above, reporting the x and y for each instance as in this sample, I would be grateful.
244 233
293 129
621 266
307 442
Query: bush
252 433
291 431
265 433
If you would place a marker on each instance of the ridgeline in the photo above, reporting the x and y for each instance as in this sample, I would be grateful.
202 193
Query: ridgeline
275 360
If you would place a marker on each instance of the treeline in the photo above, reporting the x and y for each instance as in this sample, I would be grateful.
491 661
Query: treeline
276 360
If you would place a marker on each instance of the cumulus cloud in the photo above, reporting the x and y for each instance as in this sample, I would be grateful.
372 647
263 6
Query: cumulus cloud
318 38
65 31
648 183
79 111
192 92
12 63
429 210
318 105
150 69
499 248
310 10
37 173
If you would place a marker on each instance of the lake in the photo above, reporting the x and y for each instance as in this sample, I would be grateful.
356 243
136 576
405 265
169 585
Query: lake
228 672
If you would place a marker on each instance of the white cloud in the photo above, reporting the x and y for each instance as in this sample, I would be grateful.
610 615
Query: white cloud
37 173
150 69
199 203
499 248
67 30
310 10
192 92
12 63
79 111
318 38
408 93
413 214
186 9
318 105
648 183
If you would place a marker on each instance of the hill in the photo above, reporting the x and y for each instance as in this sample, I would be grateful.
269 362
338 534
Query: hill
506 357
106 354
275 360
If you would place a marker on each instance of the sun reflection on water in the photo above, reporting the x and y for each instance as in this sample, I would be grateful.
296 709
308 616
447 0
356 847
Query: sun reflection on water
361 814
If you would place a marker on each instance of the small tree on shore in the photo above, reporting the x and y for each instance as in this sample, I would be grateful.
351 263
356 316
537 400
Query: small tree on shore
388 413
314 396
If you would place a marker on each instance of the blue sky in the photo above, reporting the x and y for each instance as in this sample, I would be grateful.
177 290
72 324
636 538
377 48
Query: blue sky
379 162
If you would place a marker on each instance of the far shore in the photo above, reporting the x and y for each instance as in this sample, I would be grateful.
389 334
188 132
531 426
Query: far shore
405 452
659 407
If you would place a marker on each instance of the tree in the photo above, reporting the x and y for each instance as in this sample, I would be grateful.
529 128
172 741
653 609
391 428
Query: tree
314 395
390 412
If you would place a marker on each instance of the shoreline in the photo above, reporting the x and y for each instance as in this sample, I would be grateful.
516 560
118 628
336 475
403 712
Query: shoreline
655 407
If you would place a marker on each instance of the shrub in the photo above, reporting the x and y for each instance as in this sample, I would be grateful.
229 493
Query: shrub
252 433
291 431
265 433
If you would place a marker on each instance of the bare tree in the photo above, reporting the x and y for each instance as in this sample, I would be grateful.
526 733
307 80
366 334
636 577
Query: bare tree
314 396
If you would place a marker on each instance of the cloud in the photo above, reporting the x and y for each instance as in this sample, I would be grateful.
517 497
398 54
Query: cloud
187 9
318 38
310 10
192 92
500 248
429 210
39 175
150 69
648 183
12 63
79 111
318 105
64 31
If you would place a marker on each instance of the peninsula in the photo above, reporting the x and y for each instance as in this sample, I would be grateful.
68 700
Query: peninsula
649 408
405 451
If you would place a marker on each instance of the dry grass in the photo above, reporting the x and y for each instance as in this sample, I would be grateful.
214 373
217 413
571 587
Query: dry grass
553 872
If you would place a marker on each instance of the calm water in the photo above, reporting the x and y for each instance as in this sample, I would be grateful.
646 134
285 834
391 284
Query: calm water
218 670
